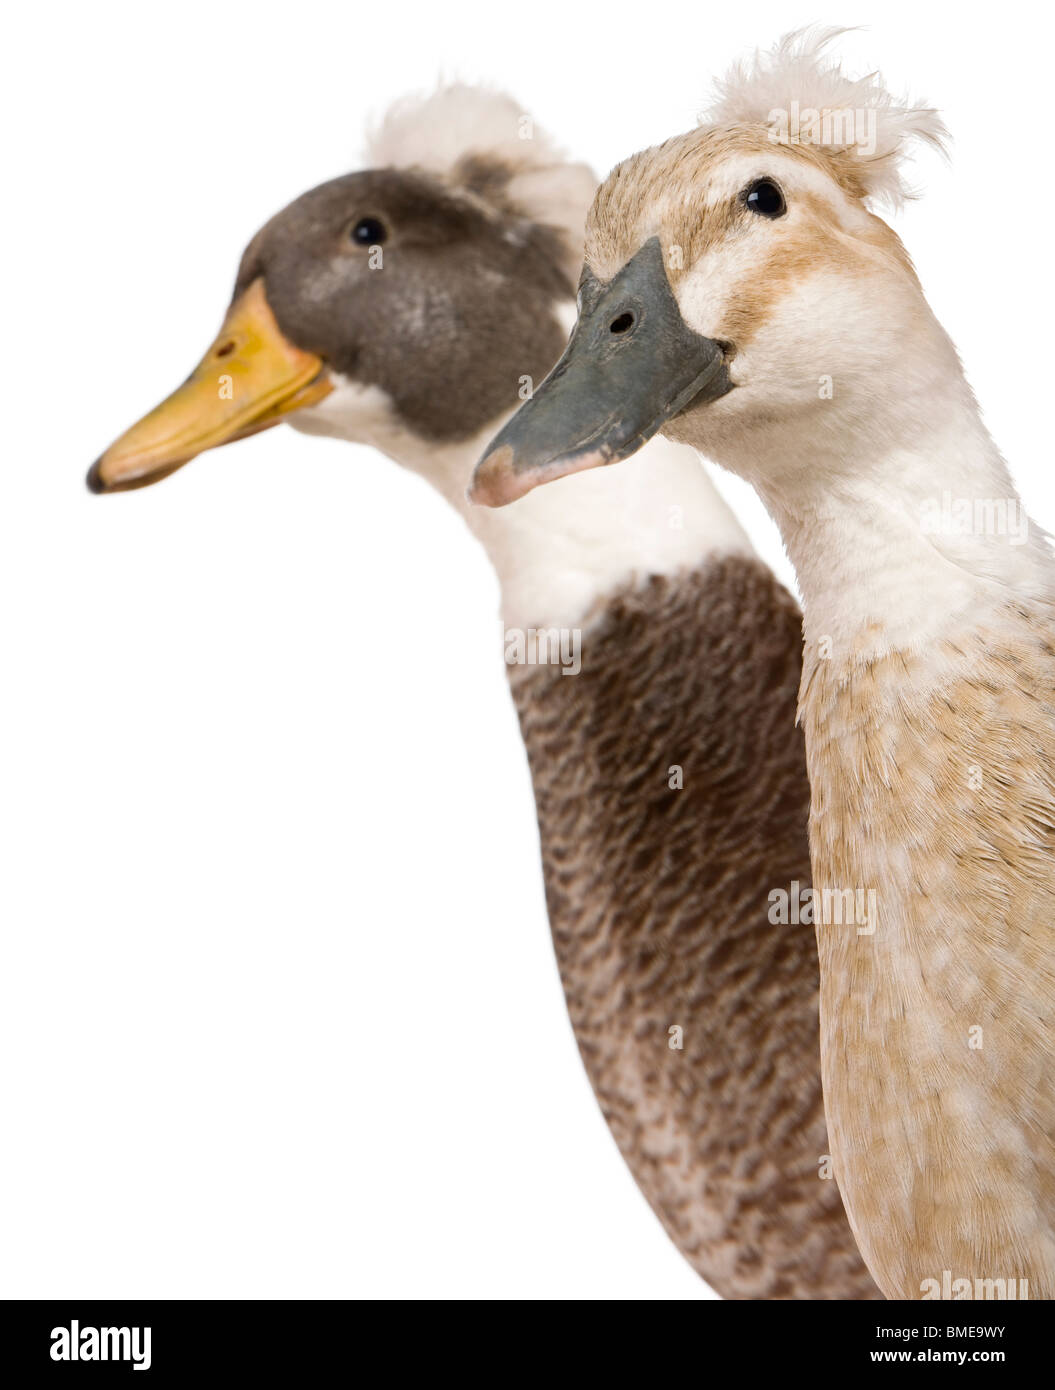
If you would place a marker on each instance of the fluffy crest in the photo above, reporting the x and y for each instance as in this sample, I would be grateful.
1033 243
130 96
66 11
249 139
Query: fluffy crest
860 125
459 130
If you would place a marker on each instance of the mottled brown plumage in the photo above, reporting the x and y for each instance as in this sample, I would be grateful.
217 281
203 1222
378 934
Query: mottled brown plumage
658 901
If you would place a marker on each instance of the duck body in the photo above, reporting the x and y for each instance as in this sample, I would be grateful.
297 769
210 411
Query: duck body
689 1005
937 1028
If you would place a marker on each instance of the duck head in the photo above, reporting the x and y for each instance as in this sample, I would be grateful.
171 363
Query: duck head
729 274
420 292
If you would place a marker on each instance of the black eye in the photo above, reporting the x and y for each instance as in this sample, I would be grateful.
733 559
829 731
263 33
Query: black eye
765 198
368 231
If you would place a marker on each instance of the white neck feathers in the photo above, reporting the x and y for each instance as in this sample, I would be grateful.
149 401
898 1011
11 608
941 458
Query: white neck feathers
896 507
917 548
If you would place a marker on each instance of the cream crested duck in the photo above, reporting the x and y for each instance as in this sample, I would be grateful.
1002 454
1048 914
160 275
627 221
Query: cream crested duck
405 306
729 271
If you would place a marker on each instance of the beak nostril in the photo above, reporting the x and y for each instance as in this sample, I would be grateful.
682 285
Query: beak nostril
226 349
621 324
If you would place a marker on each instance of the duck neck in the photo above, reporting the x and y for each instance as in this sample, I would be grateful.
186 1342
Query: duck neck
562 549
908 541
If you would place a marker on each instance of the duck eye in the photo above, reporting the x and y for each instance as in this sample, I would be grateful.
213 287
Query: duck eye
765 198
368 231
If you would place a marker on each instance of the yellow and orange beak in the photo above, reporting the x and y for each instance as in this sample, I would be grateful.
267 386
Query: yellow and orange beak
251 377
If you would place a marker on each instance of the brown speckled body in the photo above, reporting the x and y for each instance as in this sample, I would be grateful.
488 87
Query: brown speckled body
659 904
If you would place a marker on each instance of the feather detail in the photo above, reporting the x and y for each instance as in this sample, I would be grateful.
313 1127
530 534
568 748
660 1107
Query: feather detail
762 90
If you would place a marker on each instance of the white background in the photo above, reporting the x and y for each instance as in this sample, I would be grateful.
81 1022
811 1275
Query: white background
278 1009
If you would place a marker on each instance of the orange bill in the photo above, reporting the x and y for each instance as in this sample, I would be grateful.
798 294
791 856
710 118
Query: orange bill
251 377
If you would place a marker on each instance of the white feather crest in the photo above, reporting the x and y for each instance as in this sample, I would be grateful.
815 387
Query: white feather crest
435 132
796 75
